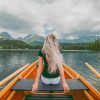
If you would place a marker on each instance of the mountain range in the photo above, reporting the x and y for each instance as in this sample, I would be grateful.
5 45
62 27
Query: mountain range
35 39
5 36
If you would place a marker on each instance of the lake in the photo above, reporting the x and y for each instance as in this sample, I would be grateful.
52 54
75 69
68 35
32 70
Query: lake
11 60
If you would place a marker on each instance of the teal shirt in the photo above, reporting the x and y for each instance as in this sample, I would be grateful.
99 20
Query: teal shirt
45 72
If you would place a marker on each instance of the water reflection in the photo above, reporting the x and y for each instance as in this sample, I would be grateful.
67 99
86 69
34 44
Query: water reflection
77 61
12 60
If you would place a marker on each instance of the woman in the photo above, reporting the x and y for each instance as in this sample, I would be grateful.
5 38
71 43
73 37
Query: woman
50 64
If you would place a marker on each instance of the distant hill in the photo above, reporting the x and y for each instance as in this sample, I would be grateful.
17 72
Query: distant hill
5 36
37 40
33 37
81 39
34 41
19 38
14 44
87 39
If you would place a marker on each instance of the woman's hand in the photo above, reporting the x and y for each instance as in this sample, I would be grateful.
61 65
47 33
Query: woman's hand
35 87
66 87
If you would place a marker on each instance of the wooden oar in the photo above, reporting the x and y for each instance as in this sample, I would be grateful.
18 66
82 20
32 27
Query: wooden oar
93 70
2 82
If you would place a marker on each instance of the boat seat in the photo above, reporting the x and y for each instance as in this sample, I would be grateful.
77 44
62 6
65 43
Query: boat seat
26 85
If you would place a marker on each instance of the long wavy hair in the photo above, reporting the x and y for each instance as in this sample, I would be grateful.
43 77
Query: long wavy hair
52 49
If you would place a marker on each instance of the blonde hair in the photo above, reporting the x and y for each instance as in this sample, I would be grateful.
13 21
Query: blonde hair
54 57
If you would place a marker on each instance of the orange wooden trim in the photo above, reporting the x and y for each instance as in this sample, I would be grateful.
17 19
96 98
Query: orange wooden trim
29 73
12 75
11 95
48 93
7 88
79 95
21 75
90 87
71 71
93 70
88 95
69 74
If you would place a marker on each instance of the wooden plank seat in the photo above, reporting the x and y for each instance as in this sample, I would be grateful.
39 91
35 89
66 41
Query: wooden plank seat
26 85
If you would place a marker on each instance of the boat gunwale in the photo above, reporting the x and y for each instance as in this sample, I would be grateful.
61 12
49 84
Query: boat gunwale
8 87
84 81
69 69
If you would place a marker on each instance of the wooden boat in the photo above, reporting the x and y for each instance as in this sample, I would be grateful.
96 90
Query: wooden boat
27 73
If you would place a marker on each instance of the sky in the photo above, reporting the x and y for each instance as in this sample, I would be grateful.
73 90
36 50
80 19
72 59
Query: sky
67 18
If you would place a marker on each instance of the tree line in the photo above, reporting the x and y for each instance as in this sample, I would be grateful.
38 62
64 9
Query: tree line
95 45
82 46
16 44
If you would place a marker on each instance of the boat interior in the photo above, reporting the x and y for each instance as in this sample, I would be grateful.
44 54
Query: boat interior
20 86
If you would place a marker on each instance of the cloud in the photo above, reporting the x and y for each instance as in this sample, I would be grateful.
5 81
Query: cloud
12 22
69 18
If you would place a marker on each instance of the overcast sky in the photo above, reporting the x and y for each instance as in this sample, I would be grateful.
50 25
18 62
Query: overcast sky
69 18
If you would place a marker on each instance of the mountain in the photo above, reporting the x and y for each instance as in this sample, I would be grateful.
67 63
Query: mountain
85 39
37 39
33 39
5 36
19 38
81 39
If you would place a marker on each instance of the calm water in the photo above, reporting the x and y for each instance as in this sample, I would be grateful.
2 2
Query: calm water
11 60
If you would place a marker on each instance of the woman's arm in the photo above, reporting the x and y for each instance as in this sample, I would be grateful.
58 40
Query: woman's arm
39 70
65 85
61 70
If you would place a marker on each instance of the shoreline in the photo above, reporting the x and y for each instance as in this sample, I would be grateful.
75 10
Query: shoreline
19 49
38 49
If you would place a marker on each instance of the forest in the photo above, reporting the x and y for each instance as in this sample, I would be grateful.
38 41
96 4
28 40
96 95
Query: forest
14 44
82 46
17 44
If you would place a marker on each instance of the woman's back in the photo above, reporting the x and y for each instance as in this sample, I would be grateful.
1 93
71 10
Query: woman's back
45 72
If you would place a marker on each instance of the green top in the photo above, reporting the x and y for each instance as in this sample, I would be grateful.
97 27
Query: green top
45 72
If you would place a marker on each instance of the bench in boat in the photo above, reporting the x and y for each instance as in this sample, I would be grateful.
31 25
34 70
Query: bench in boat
26 85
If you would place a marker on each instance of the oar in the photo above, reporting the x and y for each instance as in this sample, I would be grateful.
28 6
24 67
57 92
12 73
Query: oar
2 82
93 70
